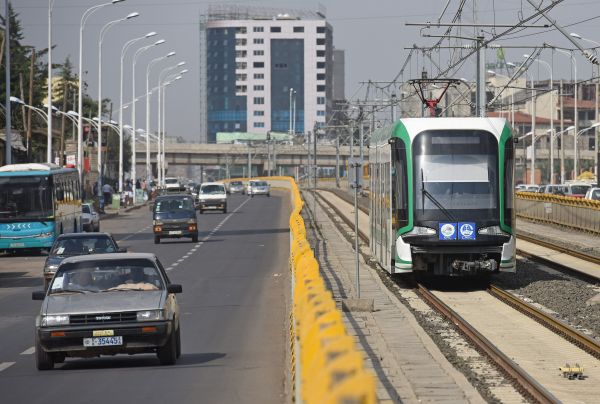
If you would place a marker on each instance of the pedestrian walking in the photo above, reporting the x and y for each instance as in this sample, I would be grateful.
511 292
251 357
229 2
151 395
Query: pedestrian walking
107 190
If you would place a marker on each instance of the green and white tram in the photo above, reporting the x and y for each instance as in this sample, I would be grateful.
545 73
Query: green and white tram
442 196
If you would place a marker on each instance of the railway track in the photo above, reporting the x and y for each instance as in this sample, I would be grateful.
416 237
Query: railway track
527 384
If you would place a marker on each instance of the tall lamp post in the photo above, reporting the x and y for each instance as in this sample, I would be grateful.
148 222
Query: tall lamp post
575 93
290 126
49 147
160 77
596 96
127 45
134 99
87 13
161 139
552 108
148 95
101 39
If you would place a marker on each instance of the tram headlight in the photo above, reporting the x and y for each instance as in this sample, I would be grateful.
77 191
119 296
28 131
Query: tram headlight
421 231
492 231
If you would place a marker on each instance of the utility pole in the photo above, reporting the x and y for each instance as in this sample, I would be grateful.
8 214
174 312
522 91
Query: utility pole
562 129
29 111
480 98
337 158
7 132
308 165
533 119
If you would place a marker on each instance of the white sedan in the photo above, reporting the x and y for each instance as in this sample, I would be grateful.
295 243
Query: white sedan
90 219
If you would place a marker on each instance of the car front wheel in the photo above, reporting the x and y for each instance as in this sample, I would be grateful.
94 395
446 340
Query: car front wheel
43 360
167 354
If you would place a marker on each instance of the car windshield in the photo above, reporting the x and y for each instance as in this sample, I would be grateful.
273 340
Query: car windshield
236 183
171 181
212 189
83 245
173 204
579 189
259 184
107 276
595 195
85 209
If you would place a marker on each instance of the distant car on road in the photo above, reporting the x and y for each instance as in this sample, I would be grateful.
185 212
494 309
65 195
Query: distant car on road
70 244
236 187
259 187
90 219
108 304
212 195
174 216
171 182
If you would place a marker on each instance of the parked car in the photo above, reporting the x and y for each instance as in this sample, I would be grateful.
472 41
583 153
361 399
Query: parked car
90 219
70 244
108 304
593 194
212 195
174 216
259 187
552 189
576 190
236 187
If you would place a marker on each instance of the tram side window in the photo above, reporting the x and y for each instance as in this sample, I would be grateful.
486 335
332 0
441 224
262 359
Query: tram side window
509 187
400 184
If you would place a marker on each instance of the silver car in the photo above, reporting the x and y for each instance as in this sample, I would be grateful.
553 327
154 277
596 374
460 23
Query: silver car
108 304
259 188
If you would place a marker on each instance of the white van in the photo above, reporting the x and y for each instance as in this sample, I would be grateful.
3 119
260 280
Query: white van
212 196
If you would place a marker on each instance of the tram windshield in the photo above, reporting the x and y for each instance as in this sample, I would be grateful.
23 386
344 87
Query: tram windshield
456 175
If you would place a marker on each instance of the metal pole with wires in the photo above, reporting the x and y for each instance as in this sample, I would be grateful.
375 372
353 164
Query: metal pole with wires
7 132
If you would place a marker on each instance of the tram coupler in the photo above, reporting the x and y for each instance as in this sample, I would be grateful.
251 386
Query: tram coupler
488 265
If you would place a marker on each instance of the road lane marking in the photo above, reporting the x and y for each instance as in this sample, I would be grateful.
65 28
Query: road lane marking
5 365
28 351
206 238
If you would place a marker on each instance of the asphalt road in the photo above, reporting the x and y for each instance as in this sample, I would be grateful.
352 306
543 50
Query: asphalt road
234 317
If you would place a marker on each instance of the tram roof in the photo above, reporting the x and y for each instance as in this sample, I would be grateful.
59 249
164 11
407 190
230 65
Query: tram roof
415 126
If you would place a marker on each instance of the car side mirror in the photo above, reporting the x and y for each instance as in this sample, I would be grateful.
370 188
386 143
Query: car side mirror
122 250
174 288
38 295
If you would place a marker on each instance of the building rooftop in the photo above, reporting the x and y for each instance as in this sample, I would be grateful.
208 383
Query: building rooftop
218 11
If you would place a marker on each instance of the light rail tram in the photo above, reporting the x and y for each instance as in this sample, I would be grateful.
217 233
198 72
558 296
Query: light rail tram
442 196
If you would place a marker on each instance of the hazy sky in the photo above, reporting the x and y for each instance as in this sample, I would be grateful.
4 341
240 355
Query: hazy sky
373 33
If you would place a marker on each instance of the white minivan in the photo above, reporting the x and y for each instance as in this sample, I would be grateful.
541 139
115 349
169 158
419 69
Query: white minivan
212 196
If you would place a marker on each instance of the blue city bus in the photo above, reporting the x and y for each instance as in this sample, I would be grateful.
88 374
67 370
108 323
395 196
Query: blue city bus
38 202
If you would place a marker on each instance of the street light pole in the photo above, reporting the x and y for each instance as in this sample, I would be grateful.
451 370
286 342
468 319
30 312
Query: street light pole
575 95
290 126
160 117
126 47
552 110
8 146
148 95
84 18
103 31
133 98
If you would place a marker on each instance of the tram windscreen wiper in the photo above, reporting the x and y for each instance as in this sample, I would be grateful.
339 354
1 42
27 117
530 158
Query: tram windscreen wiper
432 198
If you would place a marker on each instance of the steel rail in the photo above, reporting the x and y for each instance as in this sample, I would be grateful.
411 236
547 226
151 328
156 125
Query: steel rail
561 249
569 333
530 387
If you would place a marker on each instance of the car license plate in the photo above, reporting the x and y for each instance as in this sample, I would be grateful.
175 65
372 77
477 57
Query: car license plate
103 341
15 245
175 232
